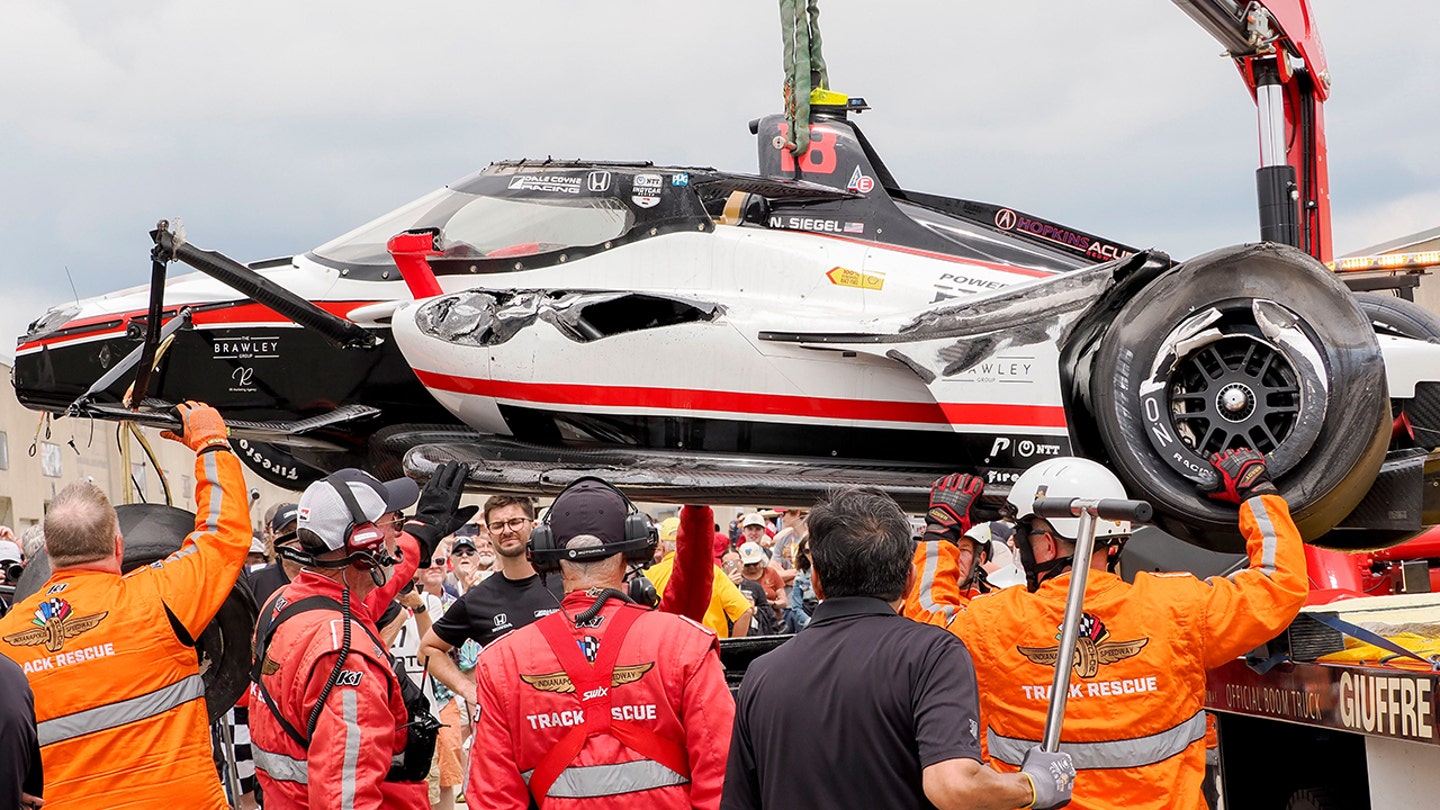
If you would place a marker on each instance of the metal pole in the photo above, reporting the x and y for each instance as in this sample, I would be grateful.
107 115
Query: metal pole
227 746
1069 630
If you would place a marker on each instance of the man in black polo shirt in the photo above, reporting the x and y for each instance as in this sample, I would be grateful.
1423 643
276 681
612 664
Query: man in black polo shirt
512 599
866 708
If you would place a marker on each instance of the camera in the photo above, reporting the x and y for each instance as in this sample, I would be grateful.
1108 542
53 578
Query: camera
12 571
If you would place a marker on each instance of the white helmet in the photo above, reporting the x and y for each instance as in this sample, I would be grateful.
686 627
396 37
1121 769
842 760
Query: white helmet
1069 477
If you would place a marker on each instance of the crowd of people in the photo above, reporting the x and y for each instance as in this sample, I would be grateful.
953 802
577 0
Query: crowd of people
413 653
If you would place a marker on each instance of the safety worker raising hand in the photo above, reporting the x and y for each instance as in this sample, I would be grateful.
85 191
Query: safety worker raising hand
1134 724
111 659
201 427
945 557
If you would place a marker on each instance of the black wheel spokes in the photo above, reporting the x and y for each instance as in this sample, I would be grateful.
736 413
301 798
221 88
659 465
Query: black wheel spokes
1235 392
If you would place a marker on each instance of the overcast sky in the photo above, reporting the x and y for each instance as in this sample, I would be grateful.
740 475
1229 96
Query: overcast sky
269 127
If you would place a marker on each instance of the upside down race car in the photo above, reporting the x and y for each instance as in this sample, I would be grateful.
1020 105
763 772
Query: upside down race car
696 334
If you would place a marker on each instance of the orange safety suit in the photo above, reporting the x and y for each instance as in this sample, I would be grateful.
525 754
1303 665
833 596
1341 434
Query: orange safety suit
119 700
587 720
935 597
1135 716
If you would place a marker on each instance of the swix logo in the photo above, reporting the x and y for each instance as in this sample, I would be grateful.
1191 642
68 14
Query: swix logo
598 692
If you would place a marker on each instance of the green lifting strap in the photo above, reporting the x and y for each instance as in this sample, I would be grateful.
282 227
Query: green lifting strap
804 67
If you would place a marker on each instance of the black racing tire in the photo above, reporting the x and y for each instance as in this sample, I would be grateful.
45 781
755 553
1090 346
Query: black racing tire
1187 363
153 532
1392 315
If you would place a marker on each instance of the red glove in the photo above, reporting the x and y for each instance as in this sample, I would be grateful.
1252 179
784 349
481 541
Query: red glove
950 500
200 427
1239 475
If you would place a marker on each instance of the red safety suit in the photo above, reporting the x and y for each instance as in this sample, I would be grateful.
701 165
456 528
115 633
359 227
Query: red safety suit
653 733
1134 717
119 698
361 728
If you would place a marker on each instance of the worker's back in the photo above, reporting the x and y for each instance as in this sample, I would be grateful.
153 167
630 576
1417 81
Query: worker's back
120 704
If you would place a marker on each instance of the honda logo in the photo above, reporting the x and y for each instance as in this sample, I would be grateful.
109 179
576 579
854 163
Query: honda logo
599 181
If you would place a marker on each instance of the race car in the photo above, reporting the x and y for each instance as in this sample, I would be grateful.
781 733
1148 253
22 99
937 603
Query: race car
696 334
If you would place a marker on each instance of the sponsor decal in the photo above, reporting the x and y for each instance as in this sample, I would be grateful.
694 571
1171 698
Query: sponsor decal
680 180
854 227
1394 705
501 620
269 666
560 683
551 183
590 646
844 277
598 181
1008 220
1093 650
243 378
246 347
55 622
645 190
1025 448
56 588
349 677
1002 369
860 183
956 282
269 459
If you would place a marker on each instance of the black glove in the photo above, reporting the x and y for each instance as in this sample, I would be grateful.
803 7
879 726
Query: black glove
950 499
438 513
1052 776
1239 475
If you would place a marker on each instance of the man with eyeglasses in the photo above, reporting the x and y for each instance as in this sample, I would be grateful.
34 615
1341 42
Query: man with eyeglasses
498 605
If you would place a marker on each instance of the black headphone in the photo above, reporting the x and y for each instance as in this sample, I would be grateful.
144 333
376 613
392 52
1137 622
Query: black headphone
638 545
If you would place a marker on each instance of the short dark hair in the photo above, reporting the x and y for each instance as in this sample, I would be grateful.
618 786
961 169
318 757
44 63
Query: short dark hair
860 544
501 501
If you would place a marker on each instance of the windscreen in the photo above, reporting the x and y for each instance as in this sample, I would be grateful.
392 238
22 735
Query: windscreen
480 226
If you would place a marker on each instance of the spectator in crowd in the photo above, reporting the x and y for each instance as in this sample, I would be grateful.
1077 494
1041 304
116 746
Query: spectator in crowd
448 772
802 590
22 780
280 532
499 604
257 557
470 568
654 680
900 694
729 612
753 529
118 691
756 567
335 726
32 541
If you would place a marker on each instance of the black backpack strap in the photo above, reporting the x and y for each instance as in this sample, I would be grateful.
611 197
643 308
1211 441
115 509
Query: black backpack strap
263 636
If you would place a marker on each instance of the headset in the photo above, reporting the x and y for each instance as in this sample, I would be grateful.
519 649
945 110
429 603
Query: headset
638 545
364 541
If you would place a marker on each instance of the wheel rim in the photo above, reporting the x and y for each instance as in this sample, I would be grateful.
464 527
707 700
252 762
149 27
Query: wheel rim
1240 374
1235 392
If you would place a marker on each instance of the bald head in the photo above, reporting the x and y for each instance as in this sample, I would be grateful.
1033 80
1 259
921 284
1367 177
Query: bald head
80 526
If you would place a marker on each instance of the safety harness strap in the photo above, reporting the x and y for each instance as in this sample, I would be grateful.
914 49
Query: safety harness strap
592 685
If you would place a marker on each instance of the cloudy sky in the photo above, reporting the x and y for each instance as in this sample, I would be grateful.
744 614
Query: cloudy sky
269 126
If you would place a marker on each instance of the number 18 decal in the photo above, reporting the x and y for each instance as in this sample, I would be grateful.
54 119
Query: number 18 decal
818 159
